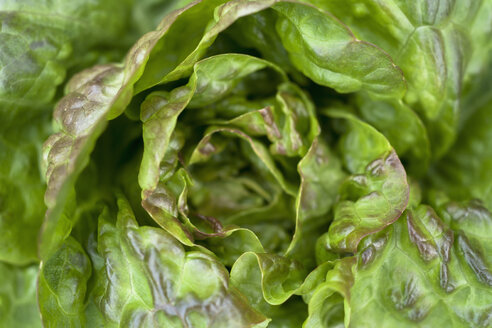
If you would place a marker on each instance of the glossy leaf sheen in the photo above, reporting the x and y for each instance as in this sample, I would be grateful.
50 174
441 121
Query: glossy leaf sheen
141 276
428 292
95 95
375 195
247 164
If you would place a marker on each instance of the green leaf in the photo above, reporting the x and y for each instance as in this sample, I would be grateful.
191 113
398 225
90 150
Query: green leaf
41 41
264 160
65 33
280 277
327 300
202 23
141 275
62 286
418 271
403 129
254 31
147 14
431 44
473 223
321 175
464 173
212 79
326 51
245 165
21 188
18 306
376 193
442 53
268 282
102 92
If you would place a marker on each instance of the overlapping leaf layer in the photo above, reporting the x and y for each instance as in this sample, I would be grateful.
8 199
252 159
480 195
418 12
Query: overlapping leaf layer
248 163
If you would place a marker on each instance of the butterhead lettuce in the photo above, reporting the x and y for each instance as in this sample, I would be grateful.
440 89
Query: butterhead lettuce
246 163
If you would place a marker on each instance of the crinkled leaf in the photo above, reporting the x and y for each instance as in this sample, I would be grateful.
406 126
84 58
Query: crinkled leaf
143 276
237 172
212 79
473 224
94 96
327 300
280 277
376 193
418 271
40 41
268 282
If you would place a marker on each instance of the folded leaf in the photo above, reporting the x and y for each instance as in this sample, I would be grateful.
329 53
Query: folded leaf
374 196
94 96
403 129
40 41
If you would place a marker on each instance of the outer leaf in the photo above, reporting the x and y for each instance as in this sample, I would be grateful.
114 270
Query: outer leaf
326 51
429 41
176 287
141 276
21 188
473 223
95 95
62 286
33 64
417 272
18 296
40 40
